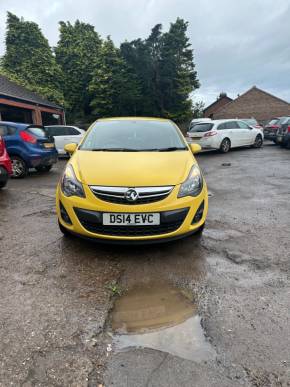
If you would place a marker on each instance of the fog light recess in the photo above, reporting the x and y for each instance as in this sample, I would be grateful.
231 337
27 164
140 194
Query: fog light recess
64 214
198 215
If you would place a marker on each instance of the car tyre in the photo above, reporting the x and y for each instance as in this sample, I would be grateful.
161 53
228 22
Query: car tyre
43 168
65 232
19 167
287 146
258 141
225 145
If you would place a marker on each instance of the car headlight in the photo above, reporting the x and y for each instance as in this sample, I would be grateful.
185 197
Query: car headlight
70 185
193 184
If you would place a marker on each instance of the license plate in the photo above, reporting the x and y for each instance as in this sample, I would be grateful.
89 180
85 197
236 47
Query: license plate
145 219
48 145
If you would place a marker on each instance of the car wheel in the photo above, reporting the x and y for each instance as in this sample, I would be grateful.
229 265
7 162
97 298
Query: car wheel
258 141
225 145
44 168
288 144
65 232
19 167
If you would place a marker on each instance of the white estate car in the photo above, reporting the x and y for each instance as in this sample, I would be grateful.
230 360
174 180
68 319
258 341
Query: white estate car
64 134
194 122
226 134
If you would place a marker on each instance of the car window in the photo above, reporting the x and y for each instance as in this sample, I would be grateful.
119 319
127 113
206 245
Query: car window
222 126
232 125
201 127
12 130
37 131
72 131
243 125
3 130
56 131
251 121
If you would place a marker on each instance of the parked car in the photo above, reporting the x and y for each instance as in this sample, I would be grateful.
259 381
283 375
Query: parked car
63 135
132 180
226 134
194 122
28 147
253 122
283 134
5 163
270 130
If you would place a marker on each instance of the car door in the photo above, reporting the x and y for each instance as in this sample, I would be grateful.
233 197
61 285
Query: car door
247 133
229 129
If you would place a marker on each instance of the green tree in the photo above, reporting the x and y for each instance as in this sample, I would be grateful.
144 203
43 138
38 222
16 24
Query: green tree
178 77
77 53
29 59
164 65
114 88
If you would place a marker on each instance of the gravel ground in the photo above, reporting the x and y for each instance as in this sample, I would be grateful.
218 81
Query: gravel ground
56 295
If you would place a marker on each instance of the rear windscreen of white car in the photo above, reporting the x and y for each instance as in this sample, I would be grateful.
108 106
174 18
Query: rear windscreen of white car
202 127
62 131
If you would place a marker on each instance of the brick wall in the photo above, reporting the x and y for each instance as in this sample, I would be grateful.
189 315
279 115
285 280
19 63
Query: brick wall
254 103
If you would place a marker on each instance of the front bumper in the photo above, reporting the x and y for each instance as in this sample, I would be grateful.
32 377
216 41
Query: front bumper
179 217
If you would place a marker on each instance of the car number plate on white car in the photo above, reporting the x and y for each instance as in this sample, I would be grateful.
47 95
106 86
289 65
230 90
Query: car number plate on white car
144 219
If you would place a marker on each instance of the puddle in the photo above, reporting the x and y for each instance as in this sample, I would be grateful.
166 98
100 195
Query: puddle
160 317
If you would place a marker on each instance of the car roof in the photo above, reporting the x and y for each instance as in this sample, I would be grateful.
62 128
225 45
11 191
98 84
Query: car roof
134 119
18 124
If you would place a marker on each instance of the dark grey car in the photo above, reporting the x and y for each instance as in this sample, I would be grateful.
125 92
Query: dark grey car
283 134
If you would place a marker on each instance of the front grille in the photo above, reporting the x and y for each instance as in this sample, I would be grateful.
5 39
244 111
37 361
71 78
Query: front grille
131 231
118 194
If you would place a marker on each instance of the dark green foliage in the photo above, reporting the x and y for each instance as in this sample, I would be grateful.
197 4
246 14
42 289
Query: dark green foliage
93 78
114 88
29 59
77 53
164 66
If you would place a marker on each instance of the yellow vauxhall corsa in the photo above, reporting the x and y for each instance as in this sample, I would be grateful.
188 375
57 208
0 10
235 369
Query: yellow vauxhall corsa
132 180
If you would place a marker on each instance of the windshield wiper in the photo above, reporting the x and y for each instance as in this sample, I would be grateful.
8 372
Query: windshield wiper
172 149
114 150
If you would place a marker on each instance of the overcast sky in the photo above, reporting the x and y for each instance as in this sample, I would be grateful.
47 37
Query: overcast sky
237 43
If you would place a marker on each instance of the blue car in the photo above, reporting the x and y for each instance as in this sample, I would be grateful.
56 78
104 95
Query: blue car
28 147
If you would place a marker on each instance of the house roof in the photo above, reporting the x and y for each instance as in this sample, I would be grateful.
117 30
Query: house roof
13 90
217 101
254 88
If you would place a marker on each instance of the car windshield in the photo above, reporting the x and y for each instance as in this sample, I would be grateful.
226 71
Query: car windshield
273 121
202 127
133 135
282 120
250 121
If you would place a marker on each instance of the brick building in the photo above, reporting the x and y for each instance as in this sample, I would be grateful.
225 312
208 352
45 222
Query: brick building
17 104
254 103
221 101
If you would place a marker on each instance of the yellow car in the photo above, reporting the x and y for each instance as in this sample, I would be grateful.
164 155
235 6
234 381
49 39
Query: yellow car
132 180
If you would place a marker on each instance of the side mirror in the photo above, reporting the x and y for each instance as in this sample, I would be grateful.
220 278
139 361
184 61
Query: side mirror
195 148
70 148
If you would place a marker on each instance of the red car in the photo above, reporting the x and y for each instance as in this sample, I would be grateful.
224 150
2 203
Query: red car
5 164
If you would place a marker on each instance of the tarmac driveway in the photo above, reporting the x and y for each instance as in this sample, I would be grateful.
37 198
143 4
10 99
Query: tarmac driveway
209 311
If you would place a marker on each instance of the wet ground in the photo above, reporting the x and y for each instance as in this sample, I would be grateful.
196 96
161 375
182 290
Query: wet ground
209 311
